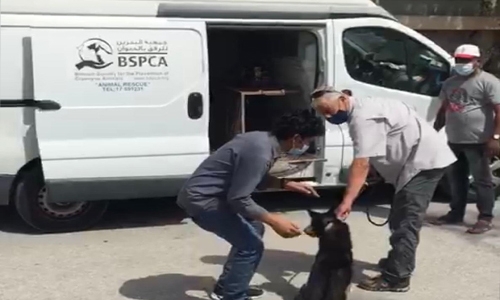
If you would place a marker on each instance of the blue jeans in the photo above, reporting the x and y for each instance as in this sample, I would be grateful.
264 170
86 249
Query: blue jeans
245 237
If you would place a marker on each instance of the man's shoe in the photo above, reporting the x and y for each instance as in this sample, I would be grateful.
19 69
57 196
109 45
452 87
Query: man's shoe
481 227
252 293
448 219
381 284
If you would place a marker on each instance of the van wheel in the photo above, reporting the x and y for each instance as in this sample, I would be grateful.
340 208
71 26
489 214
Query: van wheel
31 203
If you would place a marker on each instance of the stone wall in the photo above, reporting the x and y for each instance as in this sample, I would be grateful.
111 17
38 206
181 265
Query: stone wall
454 12
487 40
441 7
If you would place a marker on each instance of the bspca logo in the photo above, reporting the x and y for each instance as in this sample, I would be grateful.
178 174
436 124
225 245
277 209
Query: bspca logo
94 53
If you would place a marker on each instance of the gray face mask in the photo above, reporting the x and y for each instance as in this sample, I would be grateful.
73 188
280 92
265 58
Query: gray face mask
298 152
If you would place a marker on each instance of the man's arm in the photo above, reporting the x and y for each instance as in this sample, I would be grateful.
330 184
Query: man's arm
249 170
358 172
270 182
493 94
441 114
369 140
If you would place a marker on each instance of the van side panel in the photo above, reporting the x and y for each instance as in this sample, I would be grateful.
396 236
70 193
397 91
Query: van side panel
17 130
134 103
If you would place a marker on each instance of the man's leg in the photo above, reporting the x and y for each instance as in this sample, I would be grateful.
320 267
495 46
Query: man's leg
458 176
248 245
479 164
408 211
252 292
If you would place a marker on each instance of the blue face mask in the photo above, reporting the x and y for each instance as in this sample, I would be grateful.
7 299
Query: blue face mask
464 69
340 117
298 152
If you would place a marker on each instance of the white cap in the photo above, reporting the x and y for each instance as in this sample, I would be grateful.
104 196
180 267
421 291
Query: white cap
467 51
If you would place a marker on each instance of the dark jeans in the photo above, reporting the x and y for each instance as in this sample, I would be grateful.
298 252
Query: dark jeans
245 237
407 214
471 158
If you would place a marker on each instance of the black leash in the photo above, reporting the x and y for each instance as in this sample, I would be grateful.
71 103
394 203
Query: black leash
367 191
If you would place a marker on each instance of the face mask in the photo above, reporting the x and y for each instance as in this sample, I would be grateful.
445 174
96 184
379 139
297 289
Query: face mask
298 152
464 69
340 117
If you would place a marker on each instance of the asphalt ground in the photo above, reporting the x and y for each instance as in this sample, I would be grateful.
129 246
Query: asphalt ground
148 250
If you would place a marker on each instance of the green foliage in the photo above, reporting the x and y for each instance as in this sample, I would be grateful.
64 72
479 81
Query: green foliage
488 7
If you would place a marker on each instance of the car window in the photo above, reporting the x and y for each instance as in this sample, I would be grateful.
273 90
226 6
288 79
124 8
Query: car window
390 59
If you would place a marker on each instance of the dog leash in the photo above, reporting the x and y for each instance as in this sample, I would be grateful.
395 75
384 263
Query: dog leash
367 192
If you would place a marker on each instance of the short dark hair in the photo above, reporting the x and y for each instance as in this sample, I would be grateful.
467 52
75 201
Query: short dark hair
302 122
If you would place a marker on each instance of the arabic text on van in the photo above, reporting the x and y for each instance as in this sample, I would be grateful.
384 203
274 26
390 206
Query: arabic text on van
139 53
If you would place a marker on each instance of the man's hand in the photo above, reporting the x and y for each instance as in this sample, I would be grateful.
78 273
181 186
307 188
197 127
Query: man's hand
301 187
440 121
284 227
438 125
343 210
493 147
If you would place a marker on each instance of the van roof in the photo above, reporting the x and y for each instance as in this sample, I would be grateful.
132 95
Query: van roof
255 9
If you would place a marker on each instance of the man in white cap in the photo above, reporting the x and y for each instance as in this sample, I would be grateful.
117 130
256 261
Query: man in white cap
408 153
470 112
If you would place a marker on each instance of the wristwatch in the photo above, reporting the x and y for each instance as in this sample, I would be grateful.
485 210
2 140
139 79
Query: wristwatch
496 137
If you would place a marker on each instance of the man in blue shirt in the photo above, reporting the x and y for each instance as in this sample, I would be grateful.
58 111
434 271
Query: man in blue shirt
218 196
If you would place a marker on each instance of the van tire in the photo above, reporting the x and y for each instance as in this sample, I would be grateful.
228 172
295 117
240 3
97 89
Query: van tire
35 211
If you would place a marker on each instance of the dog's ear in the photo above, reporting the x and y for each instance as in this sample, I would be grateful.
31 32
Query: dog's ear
312 213
332 209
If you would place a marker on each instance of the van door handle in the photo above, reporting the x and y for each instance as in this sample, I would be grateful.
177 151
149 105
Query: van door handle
40 104
195 105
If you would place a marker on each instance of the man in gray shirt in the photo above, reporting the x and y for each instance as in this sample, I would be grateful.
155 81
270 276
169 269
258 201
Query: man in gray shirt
218 196
408 153
471 113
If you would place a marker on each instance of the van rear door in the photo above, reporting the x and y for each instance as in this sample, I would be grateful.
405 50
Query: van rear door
134 104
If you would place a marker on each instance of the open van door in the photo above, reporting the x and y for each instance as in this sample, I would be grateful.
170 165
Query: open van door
376 57
134 105
382 58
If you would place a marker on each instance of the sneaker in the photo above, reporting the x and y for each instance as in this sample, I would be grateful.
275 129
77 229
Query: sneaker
252 293
381 284
449 219
480 227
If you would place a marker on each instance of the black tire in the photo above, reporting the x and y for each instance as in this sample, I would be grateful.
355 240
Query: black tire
36 213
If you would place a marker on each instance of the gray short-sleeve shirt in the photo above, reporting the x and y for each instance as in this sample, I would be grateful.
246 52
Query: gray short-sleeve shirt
470 107
397 141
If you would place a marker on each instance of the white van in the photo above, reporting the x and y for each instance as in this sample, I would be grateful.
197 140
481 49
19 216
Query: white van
120 99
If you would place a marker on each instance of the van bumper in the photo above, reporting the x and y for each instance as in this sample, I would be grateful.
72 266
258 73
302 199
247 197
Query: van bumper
5 185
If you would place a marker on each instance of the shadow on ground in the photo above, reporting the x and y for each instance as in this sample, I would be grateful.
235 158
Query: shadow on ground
276 267
166 287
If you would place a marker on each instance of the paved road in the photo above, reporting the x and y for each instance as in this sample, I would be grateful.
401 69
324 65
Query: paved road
145 250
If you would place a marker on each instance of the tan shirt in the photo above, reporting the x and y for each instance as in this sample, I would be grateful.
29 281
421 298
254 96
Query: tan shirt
397 141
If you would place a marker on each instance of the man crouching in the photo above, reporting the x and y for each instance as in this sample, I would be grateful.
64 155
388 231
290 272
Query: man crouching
218 196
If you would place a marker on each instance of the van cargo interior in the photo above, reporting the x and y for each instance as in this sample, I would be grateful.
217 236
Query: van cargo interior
274 70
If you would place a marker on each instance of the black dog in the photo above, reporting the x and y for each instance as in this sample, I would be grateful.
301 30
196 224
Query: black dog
331 273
